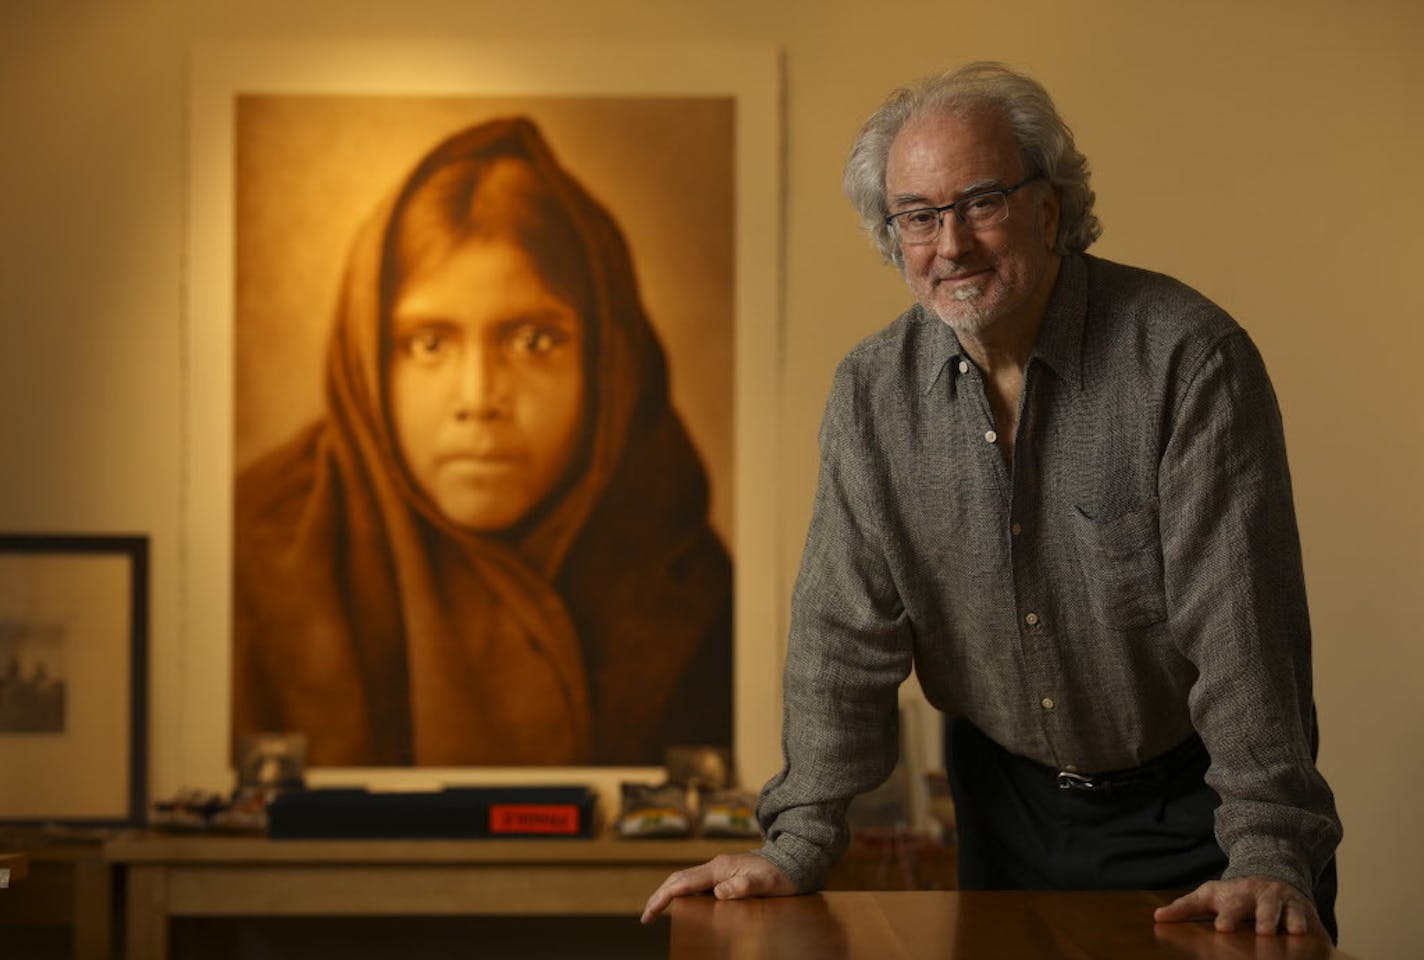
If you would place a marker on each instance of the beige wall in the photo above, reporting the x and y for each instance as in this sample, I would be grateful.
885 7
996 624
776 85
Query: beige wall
1267 153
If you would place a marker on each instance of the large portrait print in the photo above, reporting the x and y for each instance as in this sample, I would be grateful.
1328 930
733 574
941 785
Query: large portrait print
485 473
472 521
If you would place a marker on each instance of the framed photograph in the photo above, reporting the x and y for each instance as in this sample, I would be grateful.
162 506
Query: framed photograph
480 411
73 675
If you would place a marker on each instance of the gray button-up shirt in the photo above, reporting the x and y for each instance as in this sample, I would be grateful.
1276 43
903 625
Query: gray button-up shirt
1135 576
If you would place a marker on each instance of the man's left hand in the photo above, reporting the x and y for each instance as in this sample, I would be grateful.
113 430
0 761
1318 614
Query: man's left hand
1274 904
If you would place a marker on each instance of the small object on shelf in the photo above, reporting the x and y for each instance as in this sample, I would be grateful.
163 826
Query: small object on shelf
703 767
272 761
188 809
450 813
198 811
654 810
729 813
13 866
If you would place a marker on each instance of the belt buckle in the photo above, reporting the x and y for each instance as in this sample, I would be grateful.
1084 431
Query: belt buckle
1076 781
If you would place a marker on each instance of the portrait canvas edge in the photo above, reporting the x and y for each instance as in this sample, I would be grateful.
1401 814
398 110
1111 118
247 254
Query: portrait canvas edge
749 75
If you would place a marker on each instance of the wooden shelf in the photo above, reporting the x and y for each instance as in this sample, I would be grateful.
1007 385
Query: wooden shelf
168 876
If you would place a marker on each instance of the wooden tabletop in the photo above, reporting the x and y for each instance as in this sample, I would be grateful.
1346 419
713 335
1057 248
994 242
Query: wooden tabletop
969 925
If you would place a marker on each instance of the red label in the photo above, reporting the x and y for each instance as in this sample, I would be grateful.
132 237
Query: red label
534 818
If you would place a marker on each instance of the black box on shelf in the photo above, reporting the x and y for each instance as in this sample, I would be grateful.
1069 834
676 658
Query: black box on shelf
451 813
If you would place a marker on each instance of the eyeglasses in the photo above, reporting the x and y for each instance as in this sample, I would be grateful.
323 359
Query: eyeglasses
976 211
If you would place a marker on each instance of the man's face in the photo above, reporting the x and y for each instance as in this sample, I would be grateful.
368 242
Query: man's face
973 279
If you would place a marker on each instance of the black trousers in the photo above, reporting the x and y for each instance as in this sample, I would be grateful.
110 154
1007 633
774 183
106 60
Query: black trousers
1152 828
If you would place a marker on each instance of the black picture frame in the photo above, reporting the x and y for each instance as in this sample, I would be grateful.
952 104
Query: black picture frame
81 601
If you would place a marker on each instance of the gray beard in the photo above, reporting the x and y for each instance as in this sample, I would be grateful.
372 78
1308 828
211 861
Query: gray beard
970 319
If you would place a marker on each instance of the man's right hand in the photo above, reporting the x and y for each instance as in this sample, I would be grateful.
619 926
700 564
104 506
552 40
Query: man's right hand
730 876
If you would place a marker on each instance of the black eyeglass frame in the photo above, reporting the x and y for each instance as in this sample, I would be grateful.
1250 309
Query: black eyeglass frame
955 207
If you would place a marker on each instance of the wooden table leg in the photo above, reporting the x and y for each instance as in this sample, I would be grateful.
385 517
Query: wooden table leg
147 913
93 910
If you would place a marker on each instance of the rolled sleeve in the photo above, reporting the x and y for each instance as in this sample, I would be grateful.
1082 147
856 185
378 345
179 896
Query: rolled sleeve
1236 597
848 652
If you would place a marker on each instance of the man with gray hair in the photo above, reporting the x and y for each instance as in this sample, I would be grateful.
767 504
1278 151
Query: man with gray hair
1057 487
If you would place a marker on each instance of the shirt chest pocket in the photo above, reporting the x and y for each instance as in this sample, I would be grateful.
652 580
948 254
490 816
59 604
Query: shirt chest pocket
1120 556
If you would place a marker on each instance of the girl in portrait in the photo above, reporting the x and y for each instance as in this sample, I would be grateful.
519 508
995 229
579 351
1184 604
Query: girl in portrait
493 548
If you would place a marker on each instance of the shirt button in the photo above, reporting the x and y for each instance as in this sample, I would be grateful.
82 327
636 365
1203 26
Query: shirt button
1015 529
990 435
1047 703
1031 619
963 367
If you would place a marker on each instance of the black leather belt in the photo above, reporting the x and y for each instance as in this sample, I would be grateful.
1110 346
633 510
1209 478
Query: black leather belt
1153 772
